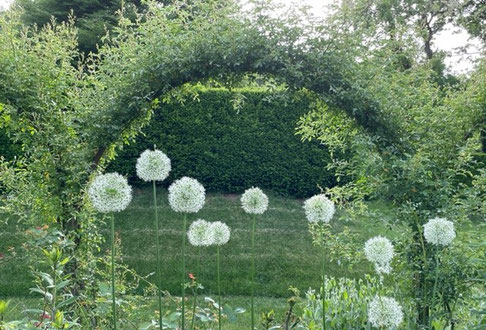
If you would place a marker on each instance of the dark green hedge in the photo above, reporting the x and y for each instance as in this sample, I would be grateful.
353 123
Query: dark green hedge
228 150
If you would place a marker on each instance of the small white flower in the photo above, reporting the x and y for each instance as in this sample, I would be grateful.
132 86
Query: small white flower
200 233
385 312
379 250
221 233
153 166
439 231
110 193
254 201
186 195
319 208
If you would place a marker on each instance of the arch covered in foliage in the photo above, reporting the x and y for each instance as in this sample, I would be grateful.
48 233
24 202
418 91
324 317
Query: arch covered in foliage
69 119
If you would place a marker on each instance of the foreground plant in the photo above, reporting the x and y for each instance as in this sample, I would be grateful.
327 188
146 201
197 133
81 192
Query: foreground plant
221 236
155 166
440 233
253 201
321 209
186 195
199 235
110 193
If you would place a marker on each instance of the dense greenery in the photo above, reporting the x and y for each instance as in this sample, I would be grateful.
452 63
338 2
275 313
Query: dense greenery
397 128
230 149
94 18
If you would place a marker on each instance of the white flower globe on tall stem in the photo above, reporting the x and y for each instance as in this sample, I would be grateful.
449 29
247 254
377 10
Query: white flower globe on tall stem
221 235
253 201
154 165
186 195
200 234
110 193
321 209
379 250
440 233
385 312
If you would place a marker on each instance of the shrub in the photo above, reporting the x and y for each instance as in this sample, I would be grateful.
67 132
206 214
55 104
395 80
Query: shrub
229 150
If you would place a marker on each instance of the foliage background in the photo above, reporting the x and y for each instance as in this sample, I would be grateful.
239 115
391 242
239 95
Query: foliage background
230 148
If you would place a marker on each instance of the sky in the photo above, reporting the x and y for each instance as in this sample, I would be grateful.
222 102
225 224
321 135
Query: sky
448 40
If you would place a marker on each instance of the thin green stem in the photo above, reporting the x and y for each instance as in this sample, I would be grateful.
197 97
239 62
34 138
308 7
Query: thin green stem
183 291
159 274
113 269
194 303
436 280
219 290
422 244
323 282
253 273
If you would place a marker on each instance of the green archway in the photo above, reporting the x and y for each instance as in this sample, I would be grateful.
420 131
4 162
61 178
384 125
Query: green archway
170 48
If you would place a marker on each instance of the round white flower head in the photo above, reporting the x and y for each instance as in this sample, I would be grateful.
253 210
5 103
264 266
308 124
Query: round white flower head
379 250
439 231
110 193
385 312
186 195
221 233
200 233
153 165
254 201
319 208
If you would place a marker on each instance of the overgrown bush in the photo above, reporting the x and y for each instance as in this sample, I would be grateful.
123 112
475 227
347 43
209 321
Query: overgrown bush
230 149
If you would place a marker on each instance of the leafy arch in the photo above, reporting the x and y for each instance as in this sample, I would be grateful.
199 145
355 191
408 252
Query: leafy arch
169 47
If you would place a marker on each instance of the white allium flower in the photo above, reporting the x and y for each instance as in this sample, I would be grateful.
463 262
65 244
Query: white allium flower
379 250
385 312
254 201
319 208
221 233
110 193
153 166
439 231
200 233
186 195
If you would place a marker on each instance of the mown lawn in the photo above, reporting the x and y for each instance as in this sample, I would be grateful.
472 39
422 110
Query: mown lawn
285 255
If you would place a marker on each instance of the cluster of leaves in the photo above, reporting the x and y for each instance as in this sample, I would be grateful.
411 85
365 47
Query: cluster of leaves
432 169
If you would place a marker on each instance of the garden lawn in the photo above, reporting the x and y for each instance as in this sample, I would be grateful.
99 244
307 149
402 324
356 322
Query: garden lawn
285 255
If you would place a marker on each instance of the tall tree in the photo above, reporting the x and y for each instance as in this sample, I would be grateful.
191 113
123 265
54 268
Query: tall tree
93 17
474 18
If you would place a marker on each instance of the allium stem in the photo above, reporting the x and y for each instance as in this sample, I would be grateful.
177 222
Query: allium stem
253 273
112 218
194 303
323 282
159 282
183 291
219 290
436 280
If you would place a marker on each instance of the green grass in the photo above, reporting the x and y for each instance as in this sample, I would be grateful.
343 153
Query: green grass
285 255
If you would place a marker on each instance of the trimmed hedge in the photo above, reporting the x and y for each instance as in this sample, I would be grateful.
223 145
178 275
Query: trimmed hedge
228 150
